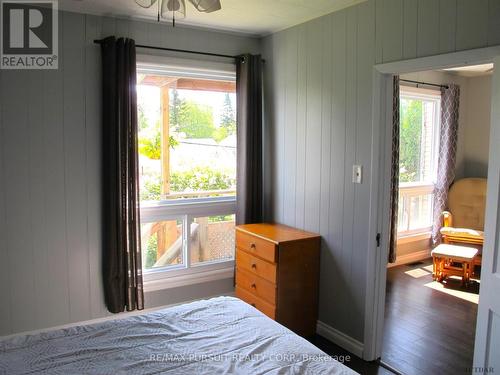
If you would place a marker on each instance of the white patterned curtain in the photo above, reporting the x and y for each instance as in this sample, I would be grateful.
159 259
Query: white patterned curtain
393 234
450 98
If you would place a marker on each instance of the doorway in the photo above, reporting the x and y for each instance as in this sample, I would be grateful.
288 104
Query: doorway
430 324
377 262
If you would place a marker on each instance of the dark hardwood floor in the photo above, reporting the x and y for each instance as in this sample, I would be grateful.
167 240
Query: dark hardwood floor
353 362
428 331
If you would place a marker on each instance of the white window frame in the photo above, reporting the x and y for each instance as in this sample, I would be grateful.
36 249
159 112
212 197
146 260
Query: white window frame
411 189
408 190
186 210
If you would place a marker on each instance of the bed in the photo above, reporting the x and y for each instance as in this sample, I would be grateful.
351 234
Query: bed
217 336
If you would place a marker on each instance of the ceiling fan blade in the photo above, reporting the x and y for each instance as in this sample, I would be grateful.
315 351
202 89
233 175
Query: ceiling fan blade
145 3
206 6
171 9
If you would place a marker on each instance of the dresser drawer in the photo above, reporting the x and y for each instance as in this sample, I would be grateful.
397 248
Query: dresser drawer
256 246
257 286
255 265
258 303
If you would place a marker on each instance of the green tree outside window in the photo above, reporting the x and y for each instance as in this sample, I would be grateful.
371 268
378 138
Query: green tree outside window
411 112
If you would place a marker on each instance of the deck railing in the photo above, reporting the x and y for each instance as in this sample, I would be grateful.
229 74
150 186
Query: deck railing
184 234
201 194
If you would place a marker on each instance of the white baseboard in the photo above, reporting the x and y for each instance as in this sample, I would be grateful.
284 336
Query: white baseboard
410 258
340 339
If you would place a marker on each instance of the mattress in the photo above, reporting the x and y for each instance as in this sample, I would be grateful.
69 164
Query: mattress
217 336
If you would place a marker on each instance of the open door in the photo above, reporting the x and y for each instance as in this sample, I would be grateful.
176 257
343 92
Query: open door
487 346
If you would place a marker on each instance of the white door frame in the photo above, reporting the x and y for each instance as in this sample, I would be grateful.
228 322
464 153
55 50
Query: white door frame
486 348
380 179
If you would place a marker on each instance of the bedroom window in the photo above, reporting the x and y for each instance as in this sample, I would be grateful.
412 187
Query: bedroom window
419 130
187 167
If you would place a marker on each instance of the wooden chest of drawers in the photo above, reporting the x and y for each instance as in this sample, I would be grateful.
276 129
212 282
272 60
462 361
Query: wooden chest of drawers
277 271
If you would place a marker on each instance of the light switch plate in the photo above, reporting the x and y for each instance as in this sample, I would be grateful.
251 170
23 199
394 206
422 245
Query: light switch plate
357 174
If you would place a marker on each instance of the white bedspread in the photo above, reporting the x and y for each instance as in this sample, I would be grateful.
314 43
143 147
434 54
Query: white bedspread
218 336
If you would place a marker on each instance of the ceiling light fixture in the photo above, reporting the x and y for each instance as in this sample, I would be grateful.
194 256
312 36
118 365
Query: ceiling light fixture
175 9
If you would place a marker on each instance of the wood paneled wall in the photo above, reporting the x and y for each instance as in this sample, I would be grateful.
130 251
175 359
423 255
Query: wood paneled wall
318 108
319 116
50 231
406 29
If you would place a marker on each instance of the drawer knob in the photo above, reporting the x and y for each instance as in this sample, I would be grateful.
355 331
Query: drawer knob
254 286
254 265
252 245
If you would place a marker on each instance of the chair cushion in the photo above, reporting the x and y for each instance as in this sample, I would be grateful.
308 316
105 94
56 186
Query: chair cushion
467 202
462 232
454 251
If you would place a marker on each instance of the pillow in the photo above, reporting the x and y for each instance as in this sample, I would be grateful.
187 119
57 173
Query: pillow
462 232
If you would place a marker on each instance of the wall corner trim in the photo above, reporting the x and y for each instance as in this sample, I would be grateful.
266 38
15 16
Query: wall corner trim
339 338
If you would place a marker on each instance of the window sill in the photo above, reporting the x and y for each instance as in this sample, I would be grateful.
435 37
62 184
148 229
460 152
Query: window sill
414 237
188 278
166 210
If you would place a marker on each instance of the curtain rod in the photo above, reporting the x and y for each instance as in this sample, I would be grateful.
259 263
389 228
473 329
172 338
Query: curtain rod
423 83
99 41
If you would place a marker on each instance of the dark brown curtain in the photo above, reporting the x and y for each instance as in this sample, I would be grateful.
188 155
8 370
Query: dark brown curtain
249 134
448 134
394 199
122 268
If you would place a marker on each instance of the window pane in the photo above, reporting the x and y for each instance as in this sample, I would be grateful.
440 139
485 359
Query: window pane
149 138
403 213
212 239
418 122
161 244
430 121
419 126
414 211
411 120
187 137
421 211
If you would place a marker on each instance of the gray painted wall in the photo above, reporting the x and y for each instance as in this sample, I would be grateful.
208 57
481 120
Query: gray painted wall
319 106
50 236
477 132
411 247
